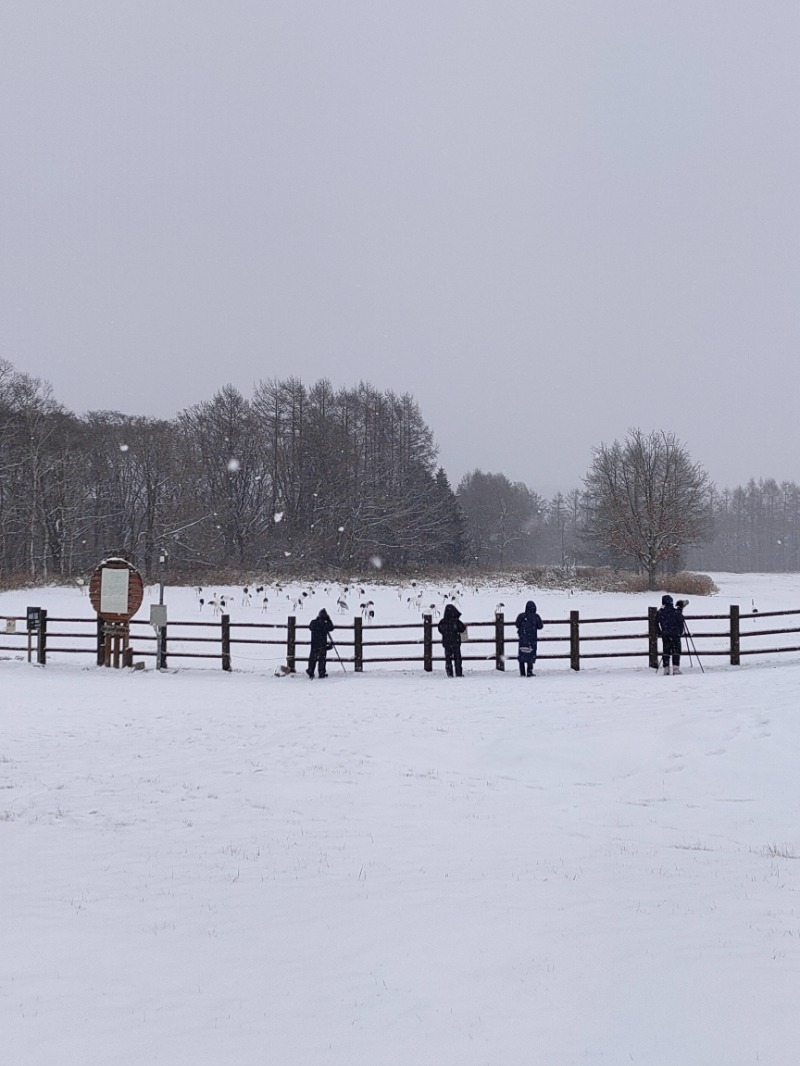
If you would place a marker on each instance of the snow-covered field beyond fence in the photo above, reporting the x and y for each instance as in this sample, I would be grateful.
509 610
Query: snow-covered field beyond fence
201 868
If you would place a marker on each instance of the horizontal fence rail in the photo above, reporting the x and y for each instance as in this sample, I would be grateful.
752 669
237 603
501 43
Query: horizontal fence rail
280 645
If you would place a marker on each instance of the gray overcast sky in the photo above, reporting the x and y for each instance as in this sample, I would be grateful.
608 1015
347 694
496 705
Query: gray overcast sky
549 222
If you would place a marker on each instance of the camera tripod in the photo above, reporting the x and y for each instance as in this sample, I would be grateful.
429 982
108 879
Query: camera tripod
691 646
338 656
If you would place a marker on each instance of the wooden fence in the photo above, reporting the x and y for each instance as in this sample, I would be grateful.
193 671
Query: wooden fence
573 640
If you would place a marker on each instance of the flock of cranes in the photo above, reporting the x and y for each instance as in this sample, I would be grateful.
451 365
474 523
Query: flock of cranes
277 596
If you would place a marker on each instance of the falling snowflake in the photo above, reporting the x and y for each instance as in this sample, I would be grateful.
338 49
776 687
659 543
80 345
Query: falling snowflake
234 466
376 561
124 447
278 516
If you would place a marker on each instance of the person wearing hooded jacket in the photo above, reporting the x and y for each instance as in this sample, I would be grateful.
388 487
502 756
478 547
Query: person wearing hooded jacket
451 627
670 626
320 627
528 625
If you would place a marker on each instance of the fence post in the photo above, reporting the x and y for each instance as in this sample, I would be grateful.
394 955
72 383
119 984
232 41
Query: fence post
226 641
291 643
101 642
574 640
161 648
427 642
652 637
127 650
358 645
41 640
735 644
499 641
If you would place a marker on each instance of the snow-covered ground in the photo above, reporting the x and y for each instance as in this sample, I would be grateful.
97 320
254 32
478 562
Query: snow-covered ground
394 868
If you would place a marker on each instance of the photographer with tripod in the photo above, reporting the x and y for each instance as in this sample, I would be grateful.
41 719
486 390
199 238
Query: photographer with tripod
671 627
321 628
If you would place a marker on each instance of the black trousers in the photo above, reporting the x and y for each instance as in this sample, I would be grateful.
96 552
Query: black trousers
671 649
318 657
527 660
452 659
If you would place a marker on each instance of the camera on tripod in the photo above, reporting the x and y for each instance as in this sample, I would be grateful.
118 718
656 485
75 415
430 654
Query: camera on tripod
680 604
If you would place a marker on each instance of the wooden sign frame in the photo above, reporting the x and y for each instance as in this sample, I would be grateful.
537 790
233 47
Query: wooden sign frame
116 590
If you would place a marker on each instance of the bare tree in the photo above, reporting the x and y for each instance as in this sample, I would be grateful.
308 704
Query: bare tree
29 458
224 500
648 499
502 518
559 540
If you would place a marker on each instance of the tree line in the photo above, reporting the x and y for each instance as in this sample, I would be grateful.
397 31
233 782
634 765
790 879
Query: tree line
644 503
305 479
291 478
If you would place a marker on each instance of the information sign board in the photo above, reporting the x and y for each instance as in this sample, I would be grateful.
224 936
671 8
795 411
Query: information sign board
114 586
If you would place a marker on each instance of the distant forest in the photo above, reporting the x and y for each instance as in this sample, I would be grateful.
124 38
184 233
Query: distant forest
304 480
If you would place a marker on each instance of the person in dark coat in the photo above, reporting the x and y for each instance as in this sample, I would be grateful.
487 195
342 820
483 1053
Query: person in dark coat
320 627
451 627
670 626
528 625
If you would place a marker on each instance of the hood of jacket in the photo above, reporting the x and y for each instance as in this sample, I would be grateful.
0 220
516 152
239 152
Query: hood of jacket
530 607
451 611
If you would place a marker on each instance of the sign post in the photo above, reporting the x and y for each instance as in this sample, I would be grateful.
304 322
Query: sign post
33 620
158 620
116 591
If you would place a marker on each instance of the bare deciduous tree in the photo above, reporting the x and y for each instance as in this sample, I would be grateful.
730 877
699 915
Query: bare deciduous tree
648 499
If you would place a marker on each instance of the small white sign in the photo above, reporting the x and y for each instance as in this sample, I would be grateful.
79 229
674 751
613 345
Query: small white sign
114 590
158 615
11 625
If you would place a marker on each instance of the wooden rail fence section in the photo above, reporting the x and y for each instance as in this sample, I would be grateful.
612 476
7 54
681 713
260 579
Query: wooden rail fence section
574 640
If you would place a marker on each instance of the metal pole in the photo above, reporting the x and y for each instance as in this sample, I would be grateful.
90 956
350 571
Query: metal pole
162 558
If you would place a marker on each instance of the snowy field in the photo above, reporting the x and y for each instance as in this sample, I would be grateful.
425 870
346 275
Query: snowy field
201 868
